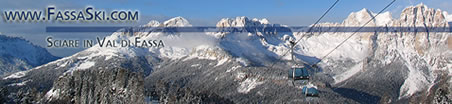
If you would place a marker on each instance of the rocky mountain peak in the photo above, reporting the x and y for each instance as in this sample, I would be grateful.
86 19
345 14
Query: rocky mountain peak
262 21
359 18
237 22
365 11
176 22
153 23
421 15
241 22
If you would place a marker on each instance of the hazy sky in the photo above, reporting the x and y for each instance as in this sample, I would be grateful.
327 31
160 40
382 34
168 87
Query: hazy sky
200 13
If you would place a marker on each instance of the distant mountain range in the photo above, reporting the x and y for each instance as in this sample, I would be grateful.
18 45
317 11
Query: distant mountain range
17 54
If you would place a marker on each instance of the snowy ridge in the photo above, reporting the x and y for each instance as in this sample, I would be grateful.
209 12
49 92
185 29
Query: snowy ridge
176 22
19 84
249 84
361 17
20 48
16 75
415 82
358 18
18 54
52 94
260 46
383 19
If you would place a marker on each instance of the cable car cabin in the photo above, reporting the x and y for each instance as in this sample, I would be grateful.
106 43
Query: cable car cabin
299 73
310 91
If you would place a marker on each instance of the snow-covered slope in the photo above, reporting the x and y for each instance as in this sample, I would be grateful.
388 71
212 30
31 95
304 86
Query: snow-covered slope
17 54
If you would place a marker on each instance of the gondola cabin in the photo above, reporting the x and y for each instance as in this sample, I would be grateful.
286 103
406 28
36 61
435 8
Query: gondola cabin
310 91
298 73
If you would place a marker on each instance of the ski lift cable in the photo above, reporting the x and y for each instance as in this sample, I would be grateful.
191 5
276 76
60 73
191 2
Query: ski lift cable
354 33
321 17
310 28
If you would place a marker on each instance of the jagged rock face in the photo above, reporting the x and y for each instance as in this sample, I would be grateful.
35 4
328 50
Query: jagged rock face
420 15
254 26
258 36
262 41
104 86
422 52
241 22
17 54
396 64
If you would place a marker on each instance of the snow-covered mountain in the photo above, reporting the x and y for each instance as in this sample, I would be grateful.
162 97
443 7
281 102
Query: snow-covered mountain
234 67
17 54
407 63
